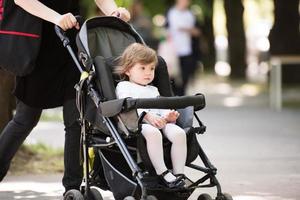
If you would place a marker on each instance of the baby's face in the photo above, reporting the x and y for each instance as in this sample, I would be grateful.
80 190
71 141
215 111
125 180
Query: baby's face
141 74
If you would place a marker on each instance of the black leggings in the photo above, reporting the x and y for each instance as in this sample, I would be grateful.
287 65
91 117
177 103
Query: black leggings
25 119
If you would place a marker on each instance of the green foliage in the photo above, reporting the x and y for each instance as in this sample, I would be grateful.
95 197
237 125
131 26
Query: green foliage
124 3
53 115
156 6
88 8
206 10
37 159
43 149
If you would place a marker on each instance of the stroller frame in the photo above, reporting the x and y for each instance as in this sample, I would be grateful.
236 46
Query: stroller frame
86 83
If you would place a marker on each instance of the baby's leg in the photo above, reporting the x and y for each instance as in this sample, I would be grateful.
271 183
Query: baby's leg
155 150
177 136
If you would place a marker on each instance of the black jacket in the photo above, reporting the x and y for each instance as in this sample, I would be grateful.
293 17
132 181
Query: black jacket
52 81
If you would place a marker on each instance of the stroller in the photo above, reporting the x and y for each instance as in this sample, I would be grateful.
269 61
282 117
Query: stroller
113 151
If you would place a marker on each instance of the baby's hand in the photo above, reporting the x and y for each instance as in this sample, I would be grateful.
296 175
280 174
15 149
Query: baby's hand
172 116
155 120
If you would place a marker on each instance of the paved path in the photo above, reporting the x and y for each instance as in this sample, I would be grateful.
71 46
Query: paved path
37 187
256 151
49 133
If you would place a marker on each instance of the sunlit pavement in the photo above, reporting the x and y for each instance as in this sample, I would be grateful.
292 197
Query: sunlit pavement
30 190
25 190
42 191
256 150
37 187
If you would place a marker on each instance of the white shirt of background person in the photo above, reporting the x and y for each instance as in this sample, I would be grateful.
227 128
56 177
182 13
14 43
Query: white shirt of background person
181 19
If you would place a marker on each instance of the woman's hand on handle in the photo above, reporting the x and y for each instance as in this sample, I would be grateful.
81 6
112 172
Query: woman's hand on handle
67 21
121 13
110 8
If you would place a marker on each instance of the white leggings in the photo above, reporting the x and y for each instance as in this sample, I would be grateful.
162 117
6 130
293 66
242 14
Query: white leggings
176 136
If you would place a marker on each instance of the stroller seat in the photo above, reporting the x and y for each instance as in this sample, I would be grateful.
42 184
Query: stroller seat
129 118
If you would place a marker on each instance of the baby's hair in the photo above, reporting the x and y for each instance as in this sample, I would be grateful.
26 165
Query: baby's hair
135 53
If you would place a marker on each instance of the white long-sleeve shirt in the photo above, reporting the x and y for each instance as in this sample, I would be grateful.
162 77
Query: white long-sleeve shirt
129 89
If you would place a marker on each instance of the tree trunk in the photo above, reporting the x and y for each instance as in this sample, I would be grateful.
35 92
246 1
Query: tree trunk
285 37
7 100
208 48
236 38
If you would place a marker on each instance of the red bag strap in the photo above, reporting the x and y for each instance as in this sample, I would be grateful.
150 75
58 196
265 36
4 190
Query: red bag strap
9 6
1 9
16 33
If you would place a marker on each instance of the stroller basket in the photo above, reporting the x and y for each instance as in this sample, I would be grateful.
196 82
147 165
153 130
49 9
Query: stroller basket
120 185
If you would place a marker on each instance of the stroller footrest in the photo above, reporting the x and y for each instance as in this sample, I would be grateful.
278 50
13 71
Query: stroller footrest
199 130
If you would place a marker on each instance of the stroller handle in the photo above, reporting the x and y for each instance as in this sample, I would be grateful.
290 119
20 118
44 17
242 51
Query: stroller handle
62 34
66 42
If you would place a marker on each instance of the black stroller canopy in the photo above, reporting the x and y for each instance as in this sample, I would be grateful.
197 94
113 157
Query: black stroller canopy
106 36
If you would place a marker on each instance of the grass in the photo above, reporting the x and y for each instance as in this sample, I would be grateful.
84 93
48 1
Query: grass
37 159
52 115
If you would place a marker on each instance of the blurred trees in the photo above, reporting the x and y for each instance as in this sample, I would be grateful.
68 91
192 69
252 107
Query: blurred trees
209 53
157 6
87 8
236 38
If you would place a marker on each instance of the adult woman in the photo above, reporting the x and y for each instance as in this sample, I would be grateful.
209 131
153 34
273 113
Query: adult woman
51 84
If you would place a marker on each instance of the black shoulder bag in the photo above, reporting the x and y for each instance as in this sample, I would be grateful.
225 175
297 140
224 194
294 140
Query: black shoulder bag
20 37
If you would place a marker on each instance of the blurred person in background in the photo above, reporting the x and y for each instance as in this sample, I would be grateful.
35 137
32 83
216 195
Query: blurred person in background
181 24
142 23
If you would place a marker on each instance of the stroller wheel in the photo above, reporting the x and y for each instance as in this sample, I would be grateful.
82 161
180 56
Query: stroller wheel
129 198
224 196
95 194
151 197
73 195
204 197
